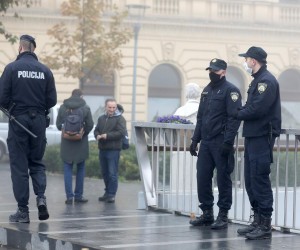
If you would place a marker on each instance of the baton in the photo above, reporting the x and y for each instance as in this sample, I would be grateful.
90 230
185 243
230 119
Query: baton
12 118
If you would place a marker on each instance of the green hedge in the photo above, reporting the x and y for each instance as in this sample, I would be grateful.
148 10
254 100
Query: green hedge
128 166
292 173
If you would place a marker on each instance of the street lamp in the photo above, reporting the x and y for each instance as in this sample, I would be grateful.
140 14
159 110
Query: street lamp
136 13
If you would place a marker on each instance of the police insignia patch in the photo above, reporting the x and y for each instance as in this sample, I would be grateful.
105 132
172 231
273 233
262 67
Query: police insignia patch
234 96
261 87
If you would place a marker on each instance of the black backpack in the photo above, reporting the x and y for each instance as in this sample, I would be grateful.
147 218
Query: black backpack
73 127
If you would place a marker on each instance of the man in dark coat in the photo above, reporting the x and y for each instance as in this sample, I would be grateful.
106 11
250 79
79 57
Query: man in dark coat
262 124
109 132
216 129
27 88
75 152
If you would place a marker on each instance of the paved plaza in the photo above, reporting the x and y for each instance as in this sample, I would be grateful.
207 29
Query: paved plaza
98 225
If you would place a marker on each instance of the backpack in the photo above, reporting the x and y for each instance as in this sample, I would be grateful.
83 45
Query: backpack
125 141
73 126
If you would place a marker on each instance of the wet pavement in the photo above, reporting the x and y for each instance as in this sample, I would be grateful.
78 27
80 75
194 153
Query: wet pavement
119 225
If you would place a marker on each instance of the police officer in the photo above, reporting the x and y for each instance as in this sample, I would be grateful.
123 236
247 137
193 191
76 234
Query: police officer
27 89
216 128
262 123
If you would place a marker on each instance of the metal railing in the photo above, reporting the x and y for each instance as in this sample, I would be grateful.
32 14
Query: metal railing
168 173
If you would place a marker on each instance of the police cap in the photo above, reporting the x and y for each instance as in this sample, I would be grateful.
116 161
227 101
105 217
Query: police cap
257 53
29 39
217 64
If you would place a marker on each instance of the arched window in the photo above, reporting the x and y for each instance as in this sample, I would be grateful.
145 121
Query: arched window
164 91
289 82
235 76
96 91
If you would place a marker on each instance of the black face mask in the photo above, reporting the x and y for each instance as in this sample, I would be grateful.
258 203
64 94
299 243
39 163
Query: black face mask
214 77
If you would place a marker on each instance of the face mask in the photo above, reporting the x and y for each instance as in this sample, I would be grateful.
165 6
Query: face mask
249 70
214 77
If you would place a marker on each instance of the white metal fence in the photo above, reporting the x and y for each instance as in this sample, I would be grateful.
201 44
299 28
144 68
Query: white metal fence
168 172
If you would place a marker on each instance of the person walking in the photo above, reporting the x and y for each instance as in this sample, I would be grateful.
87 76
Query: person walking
75 151
216 129
262 124
109 132
27 90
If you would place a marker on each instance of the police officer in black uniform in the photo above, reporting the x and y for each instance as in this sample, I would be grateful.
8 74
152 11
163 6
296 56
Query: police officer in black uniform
216 128
262 123
27 89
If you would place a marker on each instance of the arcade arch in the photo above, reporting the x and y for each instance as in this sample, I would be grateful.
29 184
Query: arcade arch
235 76
289 82
96 91
164 91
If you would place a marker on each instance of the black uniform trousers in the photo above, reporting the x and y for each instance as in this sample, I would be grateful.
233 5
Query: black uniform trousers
25 154
258 159
209 158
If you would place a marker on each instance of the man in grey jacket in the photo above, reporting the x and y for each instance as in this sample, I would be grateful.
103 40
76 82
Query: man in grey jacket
109 132
75 152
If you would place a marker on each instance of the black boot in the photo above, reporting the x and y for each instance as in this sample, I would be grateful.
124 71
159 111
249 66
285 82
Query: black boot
42 207
252 226
206 219
221 221
263 231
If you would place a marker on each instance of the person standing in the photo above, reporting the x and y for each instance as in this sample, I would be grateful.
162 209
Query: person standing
109 132
189 109
216 129
75 151
262 124
27 90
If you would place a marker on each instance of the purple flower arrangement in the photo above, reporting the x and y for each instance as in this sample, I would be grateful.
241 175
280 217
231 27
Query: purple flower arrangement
173 119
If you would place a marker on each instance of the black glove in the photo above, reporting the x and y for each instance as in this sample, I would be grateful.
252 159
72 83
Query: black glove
193 148
226 149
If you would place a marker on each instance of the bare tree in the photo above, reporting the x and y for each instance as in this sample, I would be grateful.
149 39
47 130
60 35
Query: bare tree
92 46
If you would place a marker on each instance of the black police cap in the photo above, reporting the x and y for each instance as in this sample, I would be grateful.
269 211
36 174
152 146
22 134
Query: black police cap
257 53
29 39
217 64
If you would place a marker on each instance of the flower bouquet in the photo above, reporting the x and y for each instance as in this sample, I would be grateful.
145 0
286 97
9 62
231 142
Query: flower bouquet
173 119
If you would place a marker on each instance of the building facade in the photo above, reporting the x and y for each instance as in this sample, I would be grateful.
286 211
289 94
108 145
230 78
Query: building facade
176 41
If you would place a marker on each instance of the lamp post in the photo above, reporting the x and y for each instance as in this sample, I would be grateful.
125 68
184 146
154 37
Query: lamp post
136 13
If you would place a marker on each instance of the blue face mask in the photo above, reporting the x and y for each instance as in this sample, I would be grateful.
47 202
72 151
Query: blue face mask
249 70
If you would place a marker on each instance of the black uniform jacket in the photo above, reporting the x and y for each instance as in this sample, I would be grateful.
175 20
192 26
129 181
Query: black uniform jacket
219 102
262 111
27 83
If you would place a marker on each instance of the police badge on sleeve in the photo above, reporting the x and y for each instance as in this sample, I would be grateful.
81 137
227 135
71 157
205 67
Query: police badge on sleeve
261 87
234 96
